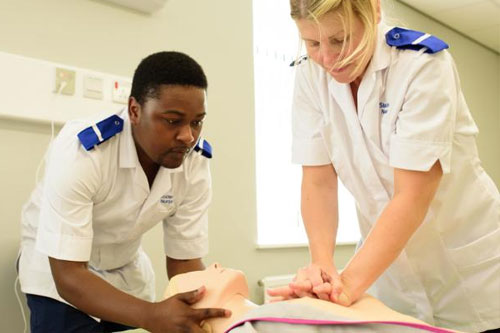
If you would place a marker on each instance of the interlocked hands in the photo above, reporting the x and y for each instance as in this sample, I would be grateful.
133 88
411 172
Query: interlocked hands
315 282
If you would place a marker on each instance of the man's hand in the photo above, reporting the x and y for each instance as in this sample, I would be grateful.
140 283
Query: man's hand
175 314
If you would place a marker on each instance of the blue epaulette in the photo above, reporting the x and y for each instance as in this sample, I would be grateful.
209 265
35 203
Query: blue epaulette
204 148
100 132
414 40
298 61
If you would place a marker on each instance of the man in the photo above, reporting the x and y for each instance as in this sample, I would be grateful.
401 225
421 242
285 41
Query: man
106 183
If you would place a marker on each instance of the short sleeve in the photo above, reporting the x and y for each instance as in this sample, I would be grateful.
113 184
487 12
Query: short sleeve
186 232
425 125
307 143
65 222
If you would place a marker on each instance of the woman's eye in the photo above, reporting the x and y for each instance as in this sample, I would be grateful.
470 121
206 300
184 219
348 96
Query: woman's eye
313 44
337 41
197 123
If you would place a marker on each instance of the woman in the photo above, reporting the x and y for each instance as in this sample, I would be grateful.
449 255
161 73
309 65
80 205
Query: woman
382 110
227 288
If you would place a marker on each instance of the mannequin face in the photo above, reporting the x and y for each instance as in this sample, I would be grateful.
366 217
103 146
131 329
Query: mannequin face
221 284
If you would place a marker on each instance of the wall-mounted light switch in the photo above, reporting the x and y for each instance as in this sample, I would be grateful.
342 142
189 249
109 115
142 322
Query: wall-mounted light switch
92 87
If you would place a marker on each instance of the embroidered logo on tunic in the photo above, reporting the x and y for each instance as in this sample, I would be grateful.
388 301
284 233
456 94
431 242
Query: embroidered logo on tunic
384 107
166 205
167 199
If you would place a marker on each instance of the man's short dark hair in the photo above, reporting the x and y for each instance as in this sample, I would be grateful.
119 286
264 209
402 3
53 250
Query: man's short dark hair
165 68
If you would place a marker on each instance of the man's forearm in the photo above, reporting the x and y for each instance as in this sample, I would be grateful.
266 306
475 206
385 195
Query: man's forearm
96 297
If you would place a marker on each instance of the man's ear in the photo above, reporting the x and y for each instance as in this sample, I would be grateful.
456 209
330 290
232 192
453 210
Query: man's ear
134 110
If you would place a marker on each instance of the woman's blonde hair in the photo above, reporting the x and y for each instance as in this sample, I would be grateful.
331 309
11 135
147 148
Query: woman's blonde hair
347 11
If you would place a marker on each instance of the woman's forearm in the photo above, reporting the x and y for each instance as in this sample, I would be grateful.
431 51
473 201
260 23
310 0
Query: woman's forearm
399 220
320 212
414 192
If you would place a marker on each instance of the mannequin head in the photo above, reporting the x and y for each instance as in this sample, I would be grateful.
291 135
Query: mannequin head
225 288
221 285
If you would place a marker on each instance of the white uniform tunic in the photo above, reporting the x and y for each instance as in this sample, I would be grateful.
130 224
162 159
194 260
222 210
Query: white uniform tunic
411 113
95 206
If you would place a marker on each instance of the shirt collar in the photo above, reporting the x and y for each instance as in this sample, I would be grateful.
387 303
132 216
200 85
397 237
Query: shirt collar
382 56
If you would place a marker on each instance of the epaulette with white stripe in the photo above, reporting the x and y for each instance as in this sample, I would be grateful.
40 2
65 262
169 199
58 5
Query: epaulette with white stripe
98 133
414 40
204 148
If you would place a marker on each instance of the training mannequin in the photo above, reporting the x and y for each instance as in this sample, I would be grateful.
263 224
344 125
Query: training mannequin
224 286
227 288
